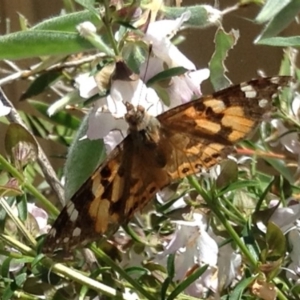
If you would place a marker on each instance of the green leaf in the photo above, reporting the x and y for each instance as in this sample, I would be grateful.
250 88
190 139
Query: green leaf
136 271
38 126
249 240
223 43
20 279
281 167
5 267
239 289
285 65
89 5
8 293
238 185
201 16
40 84
281 20
83 158
228 175
62 117
22 207
292 41
263 196
32 43
171 266
166 75
68 22
134 54
276 242
271 9
186 282
164 288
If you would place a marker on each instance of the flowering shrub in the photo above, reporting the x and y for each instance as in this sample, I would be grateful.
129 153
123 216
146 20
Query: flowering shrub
231 232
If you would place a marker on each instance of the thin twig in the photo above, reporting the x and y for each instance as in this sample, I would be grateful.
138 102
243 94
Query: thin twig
36 69
42 159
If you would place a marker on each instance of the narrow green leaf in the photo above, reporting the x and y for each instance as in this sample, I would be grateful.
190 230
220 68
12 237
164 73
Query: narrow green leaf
249 240
263 195
68 22
292 41
171 266
239 289
201 16
186 282
281 167
89 5
136 271
5 267
62 117
164 288
223 43
32 43
40 84
281 20
271 9
22 207
166 75
238 185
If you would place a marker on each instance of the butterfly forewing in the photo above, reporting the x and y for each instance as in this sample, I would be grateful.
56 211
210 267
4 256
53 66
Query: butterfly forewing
179 142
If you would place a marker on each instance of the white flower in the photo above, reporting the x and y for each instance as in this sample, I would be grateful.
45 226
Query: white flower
40 216
159 33
289 140
102 121
295 109
284 217
4 110
181 88
195 246
294 267
108 113
87 85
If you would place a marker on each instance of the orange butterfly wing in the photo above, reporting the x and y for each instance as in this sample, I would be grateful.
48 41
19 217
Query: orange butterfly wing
157 151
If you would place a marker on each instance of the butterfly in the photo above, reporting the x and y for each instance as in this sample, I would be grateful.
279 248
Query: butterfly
157 151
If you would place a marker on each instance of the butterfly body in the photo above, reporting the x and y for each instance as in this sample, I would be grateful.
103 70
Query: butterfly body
158 150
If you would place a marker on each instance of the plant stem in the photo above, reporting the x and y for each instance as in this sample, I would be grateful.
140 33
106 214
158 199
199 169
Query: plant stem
122 273
15 173
42 159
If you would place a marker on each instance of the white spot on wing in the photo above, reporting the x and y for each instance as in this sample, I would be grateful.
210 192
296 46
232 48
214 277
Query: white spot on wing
249 91
76 232
74 215
263 103
52 232
66 240
72 211
275 80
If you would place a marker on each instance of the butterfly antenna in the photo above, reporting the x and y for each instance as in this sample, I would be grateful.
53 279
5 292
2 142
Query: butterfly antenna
146 68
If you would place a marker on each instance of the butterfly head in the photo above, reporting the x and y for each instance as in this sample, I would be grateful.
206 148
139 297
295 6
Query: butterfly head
136 117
